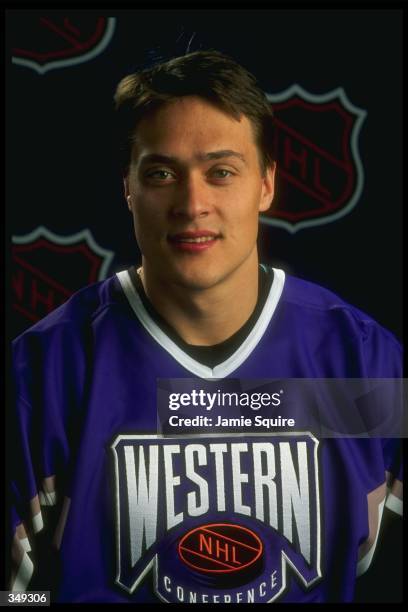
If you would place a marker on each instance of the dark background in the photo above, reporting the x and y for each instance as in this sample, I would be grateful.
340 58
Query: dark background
63 171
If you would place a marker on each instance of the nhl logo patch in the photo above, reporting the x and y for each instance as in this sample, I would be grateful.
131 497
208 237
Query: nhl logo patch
222 549
57 40
48 269
320 176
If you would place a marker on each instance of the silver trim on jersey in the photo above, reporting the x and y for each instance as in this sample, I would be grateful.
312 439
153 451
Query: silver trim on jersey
24 573
394 503
364 563
198 369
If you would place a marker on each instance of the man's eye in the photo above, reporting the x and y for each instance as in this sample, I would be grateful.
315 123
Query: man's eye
222 173
160 175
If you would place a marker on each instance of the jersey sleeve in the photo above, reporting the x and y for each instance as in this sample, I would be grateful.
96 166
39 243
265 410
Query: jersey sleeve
383 358
47 369
31 489
394 475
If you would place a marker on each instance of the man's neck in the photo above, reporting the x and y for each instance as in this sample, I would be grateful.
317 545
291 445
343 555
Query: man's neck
205 317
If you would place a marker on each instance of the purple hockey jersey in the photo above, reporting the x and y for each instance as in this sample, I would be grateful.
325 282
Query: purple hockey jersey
202 518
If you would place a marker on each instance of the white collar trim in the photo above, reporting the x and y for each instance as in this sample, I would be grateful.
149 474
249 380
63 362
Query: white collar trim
198 369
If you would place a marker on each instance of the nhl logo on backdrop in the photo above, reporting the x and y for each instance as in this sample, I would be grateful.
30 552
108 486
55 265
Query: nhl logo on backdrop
57 40
48 269
320 176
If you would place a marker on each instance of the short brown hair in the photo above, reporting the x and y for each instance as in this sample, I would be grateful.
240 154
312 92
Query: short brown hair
208 74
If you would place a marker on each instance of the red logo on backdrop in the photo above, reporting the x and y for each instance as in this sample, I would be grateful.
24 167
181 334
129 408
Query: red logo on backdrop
55 41
220 548
320 175
48 269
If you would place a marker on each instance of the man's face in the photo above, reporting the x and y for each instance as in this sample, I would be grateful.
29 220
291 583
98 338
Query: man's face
195 188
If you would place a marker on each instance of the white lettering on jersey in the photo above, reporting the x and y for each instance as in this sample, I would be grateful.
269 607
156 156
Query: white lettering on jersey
238 478
195 508
295 496
171 482
142 498
218 450
265 482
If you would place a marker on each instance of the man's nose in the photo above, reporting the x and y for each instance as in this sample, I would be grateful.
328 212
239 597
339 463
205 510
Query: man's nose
193 198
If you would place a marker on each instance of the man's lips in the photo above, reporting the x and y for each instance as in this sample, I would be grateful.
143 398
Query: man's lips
193 241
194 237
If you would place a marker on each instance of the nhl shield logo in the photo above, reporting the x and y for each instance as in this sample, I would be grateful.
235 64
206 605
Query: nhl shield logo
48 269
320 174
57 40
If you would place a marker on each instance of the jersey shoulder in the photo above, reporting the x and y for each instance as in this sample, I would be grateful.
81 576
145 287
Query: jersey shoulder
80 309
315 300
338 333
56 350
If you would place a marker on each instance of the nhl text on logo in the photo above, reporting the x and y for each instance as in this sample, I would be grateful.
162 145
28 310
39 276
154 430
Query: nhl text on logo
320 176
48 269
220 549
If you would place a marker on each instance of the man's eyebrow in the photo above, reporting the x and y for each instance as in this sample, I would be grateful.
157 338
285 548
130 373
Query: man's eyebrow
221 154
168 159
155 157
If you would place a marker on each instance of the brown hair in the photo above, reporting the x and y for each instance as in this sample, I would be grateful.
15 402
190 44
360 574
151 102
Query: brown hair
208 74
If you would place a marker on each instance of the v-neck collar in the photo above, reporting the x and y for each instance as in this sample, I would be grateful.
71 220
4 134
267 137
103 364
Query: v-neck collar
228 366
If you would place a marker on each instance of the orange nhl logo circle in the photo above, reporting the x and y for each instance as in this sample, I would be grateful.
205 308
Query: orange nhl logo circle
220 548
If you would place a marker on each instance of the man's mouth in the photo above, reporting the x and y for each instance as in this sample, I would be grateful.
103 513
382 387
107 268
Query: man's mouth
197 240
193 241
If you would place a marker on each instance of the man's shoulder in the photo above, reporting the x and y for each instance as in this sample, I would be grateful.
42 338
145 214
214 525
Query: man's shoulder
78 311
310 295
309 300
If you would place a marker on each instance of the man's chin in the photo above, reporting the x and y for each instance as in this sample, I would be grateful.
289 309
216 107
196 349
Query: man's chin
196 282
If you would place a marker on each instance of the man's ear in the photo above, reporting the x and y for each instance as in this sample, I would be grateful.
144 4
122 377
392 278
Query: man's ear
126 191
268 187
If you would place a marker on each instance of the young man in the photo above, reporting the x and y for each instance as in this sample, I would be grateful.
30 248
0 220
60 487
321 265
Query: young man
203 517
